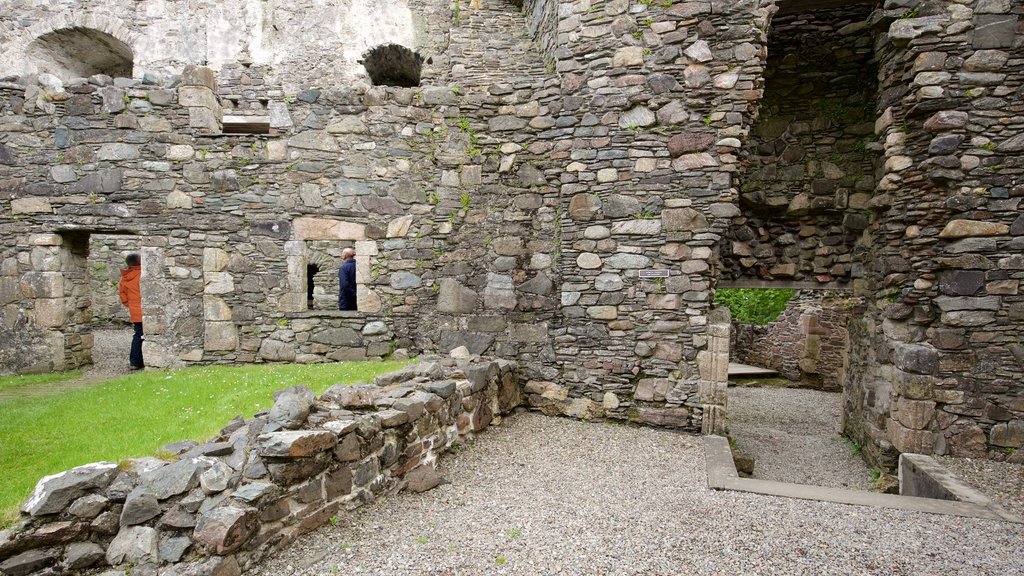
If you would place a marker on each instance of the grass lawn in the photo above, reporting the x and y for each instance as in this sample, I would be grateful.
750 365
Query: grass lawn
134 415
18 381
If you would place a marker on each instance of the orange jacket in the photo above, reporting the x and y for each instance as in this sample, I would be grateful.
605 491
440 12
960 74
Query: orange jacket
131 294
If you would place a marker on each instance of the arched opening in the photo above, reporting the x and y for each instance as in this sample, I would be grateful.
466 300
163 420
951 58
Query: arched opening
393 65
81 52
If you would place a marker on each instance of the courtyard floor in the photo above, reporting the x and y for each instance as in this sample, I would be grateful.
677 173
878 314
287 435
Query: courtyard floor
540 495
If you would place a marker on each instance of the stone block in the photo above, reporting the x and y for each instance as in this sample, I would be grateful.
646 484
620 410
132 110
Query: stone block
220 336
295 443
193 75
326 229
915 414
54 493
277 351
669 417
684 219
30 205
455 298
134 545
50 312
1008 434
973 228
225 529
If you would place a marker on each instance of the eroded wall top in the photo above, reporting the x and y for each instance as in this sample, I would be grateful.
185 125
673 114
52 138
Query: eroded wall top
314 42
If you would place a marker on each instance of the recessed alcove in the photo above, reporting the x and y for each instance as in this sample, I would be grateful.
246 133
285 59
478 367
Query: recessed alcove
393 65
81 52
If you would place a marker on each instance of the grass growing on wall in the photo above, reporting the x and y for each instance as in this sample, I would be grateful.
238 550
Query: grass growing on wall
754 305
134 415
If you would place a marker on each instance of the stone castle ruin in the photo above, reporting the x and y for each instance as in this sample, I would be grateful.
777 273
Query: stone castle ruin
564 185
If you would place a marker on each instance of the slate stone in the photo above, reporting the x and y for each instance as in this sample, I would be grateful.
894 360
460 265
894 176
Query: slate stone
475 342
83 555
140 506
961 282
172 548
89 506
173 479
343 336
54 493
295 443
225 529
620 206
135 545
916 358
405 280
444 388
291 407
29 562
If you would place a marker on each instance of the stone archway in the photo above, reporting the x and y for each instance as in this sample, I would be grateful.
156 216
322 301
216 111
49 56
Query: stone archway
81 52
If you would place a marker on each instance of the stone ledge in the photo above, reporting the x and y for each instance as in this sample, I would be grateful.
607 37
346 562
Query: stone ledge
722 475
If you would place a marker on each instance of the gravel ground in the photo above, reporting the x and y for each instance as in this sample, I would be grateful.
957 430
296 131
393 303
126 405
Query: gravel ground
1002 482
109 357
542 495
794 436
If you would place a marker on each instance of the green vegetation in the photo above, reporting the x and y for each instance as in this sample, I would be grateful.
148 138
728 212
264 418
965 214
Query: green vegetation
754 305
29 379
134 415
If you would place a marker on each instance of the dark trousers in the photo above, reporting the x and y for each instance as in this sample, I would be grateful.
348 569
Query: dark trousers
135 356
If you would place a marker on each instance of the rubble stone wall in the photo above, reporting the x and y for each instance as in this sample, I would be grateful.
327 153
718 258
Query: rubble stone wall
805 192
807 343
937 360
218 507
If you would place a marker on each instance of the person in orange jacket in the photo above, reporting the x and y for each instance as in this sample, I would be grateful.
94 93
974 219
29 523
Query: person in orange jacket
131 297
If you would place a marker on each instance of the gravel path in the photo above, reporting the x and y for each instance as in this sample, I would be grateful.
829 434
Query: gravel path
542 495
794 435
1002 482
109 357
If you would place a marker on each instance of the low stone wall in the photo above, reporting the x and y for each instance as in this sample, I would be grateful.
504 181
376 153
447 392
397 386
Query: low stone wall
807 343
215 508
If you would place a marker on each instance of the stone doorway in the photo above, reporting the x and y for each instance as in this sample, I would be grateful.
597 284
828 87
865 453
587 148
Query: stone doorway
80 272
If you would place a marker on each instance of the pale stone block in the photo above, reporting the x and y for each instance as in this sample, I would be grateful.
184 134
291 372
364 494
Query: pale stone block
179 152
367 300
30 206
179 200
218 283
220 336
603 312
197 96
292 302
214 260
45 240
45 259
607 175
50 312
399 227
215 308
277 150
324 229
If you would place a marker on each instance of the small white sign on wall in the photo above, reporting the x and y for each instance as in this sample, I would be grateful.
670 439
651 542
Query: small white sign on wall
653 273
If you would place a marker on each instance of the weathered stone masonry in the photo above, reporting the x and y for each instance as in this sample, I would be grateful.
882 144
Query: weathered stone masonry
217 507
509 203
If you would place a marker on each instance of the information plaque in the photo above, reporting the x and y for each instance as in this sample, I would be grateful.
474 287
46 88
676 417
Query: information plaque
654 273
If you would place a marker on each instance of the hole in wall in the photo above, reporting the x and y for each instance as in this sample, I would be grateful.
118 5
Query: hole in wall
393 65
81 52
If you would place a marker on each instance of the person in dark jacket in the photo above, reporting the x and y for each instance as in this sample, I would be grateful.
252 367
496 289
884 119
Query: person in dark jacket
347 280
131 297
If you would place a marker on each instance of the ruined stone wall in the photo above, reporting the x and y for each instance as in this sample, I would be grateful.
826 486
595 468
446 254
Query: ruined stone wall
220 506
807 343
937 351
645 184
304 43
805 192
105 261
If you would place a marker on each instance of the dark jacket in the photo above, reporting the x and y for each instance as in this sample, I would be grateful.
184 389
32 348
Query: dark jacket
347 285
130 292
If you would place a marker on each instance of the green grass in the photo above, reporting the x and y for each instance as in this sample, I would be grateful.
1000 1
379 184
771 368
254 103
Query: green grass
134 415
29 379
754 305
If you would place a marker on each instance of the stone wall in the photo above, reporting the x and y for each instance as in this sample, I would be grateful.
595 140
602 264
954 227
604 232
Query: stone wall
936 358
217 507
805 193
305 43
565 188
105 262
807 343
